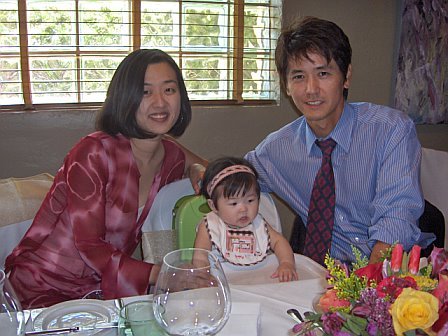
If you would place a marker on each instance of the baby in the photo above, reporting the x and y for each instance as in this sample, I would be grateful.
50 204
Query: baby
234 227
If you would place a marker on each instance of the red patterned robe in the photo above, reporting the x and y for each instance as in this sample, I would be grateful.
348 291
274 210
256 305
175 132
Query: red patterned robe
86 230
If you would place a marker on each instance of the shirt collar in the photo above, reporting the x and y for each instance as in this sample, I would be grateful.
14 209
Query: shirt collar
342 133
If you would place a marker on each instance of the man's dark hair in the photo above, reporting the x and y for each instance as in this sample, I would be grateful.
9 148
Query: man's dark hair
312 35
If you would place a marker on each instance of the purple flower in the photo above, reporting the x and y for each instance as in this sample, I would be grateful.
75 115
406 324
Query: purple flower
298 328
372 328
378 316
361 310
304 329
332 323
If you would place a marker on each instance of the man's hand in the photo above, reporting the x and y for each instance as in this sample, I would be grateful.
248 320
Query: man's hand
377 250
195 174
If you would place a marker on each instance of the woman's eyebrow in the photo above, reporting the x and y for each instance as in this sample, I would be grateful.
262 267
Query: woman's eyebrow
168 81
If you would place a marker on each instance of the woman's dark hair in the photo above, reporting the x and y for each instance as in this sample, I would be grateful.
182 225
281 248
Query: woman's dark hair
312 35
230 185
125 92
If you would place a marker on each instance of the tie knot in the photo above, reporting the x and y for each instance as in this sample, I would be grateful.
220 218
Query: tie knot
326 146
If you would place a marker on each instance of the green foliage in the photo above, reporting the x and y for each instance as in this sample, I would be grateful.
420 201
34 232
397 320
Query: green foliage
360 259
354 324
157 29
205 43
50 27
347 284
202 28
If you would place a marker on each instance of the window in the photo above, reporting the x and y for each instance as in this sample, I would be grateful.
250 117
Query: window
65 51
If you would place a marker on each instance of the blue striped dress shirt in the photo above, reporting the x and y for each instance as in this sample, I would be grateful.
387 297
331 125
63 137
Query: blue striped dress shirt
376 165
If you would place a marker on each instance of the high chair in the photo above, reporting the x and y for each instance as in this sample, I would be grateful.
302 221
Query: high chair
178 209
187 213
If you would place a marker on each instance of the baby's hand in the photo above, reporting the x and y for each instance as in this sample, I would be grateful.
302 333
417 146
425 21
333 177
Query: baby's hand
285 272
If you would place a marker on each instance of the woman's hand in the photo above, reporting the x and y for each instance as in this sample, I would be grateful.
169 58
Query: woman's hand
154 274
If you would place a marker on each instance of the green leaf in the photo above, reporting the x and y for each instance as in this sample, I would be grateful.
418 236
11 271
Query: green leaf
404 263
354 324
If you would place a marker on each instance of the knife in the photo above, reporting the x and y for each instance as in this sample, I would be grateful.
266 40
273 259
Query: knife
72 329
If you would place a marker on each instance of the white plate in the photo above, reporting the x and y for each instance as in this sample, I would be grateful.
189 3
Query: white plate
75 313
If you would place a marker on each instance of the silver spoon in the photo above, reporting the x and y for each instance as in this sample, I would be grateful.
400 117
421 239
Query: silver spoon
295 314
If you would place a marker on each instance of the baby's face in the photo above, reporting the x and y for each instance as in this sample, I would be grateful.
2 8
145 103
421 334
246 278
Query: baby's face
238 210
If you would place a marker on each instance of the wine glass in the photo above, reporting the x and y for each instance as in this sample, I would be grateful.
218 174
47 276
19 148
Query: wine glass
191 295
12 318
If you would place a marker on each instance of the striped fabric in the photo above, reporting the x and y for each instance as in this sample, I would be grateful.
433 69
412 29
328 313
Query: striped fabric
376 166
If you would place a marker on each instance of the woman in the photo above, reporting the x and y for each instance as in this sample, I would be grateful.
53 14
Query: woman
89 224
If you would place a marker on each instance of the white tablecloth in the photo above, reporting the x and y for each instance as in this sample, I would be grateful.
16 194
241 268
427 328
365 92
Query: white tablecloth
273 298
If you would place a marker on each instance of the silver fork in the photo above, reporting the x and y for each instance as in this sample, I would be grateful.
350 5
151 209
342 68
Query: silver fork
119 304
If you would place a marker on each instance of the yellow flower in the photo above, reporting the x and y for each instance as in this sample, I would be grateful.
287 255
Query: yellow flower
414 309
424 283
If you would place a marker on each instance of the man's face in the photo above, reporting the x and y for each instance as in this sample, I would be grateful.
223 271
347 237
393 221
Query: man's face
316 87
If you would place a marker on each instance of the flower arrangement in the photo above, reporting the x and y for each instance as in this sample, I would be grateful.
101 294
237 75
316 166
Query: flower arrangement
402 295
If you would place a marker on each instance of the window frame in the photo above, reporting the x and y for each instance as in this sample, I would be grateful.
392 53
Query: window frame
135 21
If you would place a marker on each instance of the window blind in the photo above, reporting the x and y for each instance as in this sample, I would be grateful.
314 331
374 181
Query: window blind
66 51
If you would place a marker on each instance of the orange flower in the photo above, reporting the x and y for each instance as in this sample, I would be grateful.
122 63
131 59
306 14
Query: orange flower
330 300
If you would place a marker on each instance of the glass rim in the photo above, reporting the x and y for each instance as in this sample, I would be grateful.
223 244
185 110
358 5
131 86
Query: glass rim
190 249
148 302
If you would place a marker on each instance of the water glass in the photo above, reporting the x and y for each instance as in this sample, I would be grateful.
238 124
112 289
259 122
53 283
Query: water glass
12 318
191 296
137 319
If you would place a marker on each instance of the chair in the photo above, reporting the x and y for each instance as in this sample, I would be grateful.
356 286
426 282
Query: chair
20 198
298 235
159 224
433 176
187 213
432 221
190 209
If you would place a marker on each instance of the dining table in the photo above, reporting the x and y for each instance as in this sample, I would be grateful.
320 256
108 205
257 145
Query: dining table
259 302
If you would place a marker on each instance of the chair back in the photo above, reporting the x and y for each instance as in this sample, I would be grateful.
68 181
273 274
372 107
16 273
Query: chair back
20 198
187 213
434 180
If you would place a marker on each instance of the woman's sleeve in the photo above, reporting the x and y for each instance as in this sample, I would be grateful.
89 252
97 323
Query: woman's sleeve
87 176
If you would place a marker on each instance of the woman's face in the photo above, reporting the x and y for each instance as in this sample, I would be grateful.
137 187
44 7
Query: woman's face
160 106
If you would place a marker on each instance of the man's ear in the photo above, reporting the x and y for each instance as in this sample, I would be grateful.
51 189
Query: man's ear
348 78
288 93
211 205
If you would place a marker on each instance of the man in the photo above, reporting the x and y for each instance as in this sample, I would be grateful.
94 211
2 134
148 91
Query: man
375 157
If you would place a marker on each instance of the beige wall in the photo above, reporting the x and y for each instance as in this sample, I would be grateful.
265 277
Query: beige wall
31 143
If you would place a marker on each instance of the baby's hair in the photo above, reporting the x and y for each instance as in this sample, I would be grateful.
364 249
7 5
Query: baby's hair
232 183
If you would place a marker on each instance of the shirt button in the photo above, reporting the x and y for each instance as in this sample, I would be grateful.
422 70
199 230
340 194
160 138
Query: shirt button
357 239
341 217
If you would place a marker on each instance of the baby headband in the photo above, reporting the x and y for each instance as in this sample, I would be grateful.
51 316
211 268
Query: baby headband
226 172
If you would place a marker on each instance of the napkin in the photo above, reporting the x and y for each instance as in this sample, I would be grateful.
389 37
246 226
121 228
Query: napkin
244 320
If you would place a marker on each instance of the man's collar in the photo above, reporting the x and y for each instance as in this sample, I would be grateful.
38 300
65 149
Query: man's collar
342 133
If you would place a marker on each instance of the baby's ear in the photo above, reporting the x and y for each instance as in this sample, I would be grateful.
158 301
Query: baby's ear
211 205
